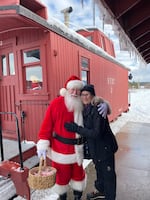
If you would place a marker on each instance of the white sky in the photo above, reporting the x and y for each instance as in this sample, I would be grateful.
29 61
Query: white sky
83 17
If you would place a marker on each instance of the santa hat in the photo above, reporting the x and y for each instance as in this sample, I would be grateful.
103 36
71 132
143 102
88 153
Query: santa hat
72 82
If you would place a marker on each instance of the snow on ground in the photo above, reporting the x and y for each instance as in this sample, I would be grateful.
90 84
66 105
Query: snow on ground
138 112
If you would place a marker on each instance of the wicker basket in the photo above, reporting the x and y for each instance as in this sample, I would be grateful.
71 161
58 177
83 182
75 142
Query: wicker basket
42 177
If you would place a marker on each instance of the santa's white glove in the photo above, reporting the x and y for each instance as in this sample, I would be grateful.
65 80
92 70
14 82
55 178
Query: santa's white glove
42 148
42 153
103 109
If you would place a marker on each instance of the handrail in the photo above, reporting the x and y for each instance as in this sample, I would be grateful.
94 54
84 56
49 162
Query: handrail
18 136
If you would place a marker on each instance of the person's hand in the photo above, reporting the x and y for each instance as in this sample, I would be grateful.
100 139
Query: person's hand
71 126
42 153
103 109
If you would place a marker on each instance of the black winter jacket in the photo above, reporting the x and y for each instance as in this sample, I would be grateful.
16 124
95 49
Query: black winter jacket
97 131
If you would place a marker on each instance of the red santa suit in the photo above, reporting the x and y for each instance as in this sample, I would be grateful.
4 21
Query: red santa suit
66 158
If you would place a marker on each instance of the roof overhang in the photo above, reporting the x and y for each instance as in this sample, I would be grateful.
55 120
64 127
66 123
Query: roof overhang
134 18
17 17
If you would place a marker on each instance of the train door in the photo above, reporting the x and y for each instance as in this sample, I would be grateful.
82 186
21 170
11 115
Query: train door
8 89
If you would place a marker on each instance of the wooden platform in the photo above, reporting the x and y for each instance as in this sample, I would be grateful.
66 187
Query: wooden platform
132 166
133 162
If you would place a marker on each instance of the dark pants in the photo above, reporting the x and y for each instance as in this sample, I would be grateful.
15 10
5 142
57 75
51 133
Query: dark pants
106 177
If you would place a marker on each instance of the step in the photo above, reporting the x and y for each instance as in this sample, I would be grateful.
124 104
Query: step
7 188
11 152
11 148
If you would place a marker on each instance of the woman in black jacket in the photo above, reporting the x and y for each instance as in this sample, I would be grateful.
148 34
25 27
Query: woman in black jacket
102 146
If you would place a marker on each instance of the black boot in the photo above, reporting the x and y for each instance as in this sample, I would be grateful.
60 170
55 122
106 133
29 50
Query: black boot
77 195
63 196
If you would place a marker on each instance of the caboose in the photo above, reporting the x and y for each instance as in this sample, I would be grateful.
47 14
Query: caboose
37 55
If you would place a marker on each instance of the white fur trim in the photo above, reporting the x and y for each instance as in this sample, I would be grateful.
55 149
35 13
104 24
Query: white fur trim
78 118
77 157
75 84
60 189
61 158
62 92
79 154
79 185
43 144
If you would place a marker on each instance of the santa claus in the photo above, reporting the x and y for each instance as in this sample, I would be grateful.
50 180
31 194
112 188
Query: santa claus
64 149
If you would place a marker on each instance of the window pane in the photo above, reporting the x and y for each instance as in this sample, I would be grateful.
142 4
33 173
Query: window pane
34 80
31 56
11 64
4 65
89 38
84 76
84 62
103 43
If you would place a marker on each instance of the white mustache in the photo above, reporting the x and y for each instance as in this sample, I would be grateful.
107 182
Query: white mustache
74 95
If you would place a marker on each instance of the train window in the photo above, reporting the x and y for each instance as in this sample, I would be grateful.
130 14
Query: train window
33 72
7 63
103 42
4 65
89 38
84 76
33 78
85 66
11 64
31 56
84 62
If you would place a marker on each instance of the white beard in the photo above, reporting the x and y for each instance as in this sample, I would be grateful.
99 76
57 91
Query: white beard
73 102
75 105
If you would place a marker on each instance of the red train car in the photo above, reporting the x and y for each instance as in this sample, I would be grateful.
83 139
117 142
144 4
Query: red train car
37 56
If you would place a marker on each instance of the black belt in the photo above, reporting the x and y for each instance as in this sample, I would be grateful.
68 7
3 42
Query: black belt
77 141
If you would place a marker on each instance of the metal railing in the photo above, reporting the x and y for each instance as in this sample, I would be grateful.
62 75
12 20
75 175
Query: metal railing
18 137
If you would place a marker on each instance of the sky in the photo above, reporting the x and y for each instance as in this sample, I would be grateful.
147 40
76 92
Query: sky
82 17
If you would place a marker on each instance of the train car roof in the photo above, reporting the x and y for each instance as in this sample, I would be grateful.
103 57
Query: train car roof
26 19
